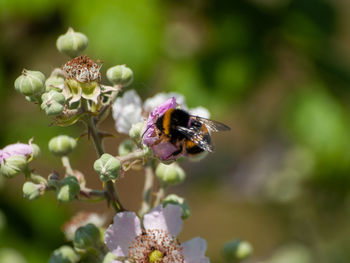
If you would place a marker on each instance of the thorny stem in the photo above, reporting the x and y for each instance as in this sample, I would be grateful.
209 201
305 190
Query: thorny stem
137 154
110 191
67 166
147 190
160 194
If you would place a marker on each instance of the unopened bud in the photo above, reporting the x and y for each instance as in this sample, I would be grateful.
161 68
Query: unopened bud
177 200
54 83
170 173
32 191
72 43
13 165
127 146
136 130
120 75
62 145
109 258
237 250
68 189
53 102
35 151
64 254
87 236
107 167
30 83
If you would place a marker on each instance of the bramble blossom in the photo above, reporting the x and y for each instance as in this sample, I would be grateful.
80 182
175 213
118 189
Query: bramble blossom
156 242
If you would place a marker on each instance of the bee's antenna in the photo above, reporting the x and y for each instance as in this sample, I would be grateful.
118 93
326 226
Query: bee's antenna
145 131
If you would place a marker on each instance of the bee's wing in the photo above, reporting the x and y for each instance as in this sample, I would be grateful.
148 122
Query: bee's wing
201 139
211 125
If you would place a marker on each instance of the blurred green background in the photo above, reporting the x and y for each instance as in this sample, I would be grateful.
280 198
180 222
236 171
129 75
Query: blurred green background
276 71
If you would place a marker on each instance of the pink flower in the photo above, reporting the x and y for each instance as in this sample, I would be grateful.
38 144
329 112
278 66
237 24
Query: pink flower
156 242
15 149
163 150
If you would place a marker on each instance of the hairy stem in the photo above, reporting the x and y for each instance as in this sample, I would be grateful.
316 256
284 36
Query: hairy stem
160 194
110 191
147 190
67 166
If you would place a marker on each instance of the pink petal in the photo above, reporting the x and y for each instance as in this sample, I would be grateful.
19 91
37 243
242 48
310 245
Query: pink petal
164 151
126 226
15 149
194 251
168 219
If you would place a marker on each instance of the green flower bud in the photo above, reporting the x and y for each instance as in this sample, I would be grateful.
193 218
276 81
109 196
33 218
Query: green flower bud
72 43
107 167
136 130
237 250
64 254
53 102
87 236
177 200
127 146
35 152
62 145
54 83
120 75
109 258
68 189
32 191
9 255
170 173
30 83
13 165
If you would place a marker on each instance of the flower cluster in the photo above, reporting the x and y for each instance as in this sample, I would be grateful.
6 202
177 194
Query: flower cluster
73 93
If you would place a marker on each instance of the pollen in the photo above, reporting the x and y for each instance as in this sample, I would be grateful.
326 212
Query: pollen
82 69
155 246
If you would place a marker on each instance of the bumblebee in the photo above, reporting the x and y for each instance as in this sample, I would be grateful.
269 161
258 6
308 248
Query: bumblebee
190 134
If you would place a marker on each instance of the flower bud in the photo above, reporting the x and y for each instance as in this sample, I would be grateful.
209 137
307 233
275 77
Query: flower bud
35 151
86 236
54 83
68 189
64 254
62 145
136 130
120 75
109 258
30 83
177 200
72 43
237 250
32 191
9 255
170 173
53 102
127 146
13 165
107 167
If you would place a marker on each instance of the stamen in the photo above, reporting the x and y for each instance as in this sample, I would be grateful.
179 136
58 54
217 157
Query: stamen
82 69
155 246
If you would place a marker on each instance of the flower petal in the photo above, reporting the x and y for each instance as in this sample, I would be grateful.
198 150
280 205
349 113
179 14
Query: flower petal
168 219
164 151
194 251
127 110
154 102
126 226
15 149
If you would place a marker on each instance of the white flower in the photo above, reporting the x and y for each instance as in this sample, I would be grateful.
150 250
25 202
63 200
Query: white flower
127 110
156 242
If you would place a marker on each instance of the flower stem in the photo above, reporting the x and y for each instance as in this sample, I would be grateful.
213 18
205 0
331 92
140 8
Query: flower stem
67 166
110 191
160 194
147 190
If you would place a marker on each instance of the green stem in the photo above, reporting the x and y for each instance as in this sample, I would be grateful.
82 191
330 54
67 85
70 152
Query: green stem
160 194
67 166
147 190
110 191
